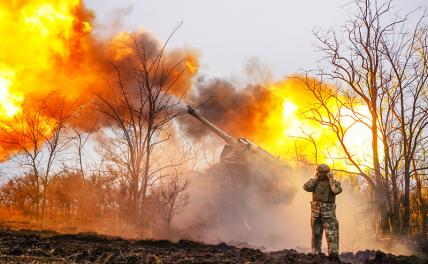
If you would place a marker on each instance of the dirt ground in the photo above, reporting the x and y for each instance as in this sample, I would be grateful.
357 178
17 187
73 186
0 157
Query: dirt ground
27 246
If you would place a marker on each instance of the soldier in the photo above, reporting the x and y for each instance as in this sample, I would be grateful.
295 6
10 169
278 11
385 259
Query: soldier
324 189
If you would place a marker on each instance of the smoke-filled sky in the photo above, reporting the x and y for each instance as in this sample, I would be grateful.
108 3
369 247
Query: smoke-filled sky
228 33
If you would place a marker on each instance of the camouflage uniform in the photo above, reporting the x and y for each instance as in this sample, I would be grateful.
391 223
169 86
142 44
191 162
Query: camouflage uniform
323 216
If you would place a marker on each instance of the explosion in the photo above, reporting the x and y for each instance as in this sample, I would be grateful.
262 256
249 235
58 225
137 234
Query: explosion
52 53
51 50
273 116
292 135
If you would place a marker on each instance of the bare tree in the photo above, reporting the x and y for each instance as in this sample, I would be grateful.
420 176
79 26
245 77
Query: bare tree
37 135
407 59
27 133
173 196
381 64
139 107
81 138
59 114
357 63
328 110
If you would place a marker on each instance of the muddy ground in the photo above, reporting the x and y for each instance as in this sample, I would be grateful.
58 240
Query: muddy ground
26 246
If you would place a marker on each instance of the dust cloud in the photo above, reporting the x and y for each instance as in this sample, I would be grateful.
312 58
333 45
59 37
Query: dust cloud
217 212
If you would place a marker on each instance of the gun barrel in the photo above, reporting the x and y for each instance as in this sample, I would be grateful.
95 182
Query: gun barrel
229 140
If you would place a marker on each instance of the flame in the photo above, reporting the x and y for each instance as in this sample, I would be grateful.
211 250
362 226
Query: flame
48 48
273 116
45 41
289 109
9 102
291 134
191 65
45 47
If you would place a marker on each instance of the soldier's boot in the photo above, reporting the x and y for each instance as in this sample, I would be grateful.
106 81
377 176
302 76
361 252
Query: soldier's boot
331 227
317 231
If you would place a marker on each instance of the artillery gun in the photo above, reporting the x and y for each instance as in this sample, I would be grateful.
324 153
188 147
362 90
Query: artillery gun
252 169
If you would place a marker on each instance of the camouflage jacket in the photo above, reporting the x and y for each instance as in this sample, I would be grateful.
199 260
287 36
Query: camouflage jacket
323 191
335 186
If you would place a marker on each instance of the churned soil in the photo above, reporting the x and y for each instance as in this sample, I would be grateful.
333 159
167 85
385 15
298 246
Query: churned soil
27 246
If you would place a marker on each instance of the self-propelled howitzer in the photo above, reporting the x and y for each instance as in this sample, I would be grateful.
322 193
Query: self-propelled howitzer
252 167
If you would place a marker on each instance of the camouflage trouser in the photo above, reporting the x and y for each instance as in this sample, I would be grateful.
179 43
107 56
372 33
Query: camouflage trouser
324 218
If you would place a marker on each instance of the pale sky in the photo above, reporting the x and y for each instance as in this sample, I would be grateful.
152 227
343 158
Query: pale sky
227 33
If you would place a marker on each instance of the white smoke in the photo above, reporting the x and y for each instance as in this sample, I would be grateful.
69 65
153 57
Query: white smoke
214 214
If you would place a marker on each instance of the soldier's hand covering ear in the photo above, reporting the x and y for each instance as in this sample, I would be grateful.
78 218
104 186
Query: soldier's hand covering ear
334 185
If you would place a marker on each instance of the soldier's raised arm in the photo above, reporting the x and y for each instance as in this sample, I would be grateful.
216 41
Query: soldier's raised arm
335 186
309 186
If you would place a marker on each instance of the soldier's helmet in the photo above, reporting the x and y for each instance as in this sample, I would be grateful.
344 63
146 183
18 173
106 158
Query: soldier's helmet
323 168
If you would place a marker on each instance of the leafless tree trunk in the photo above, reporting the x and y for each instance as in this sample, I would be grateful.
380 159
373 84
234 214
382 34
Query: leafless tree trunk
382 64
173 195
81 140
139 107
359 63
34 131
25 133
55 143
328 111
407 57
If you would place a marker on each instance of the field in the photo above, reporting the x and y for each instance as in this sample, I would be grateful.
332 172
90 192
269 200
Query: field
28 246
